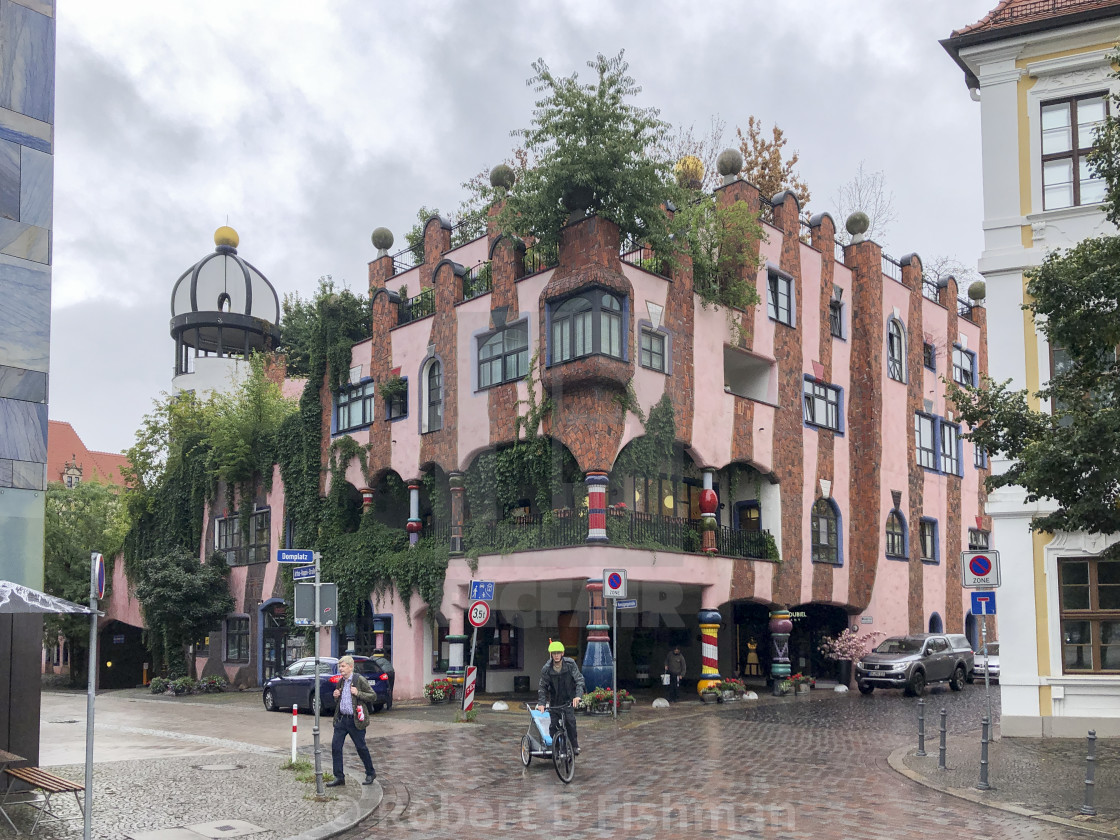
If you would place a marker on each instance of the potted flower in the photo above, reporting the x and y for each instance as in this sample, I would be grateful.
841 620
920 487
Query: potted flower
624 699
439 690
731 689
785 687
801 682
847 647
711 694
598 700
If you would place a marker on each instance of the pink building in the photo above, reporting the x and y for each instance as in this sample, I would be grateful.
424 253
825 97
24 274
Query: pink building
815 464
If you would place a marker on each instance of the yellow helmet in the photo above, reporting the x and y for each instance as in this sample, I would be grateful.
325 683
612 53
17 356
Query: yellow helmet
555 647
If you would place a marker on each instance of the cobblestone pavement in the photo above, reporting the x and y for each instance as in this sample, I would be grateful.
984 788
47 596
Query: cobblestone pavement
818 766
779 768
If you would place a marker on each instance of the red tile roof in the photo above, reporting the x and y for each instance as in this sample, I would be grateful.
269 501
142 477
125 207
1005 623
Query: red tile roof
1015 12
64 445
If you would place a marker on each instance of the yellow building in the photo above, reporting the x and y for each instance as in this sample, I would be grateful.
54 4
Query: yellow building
1041 72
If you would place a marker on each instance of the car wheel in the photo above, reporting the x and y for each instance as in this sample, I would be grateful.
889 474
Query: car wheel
270 701
917 685
311 704
956 682
377 707
526 750
866 688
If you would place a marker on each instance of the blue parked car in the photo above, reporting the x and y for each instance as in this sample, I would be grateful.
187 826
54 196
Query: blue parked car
296 686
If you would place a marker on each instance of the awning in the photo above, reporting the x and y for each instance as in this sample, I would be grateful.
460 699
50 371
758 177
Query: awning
16 598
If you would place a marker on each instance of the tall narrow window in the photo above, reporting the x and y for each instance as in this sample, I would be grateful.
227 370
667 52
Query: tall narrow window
896 351
1069 131
504 356
825 536
950 448
896 535
779 301
927 531
836 319
964 366
653 350
822 405
1089 601
923 438
237 639
433 397
929 355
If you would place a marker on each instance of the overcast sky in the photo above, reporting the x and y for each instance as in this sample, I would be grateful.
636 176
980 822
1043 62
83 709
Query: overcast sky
308 124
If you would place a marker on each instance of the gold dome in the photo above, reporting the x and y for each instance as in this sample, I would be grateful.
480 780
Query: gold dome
225 235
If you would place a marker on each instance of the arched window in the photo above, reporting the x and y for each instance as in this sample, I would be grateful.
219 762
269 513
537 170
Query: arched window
432 414
825 524
896 350
896 535
587 324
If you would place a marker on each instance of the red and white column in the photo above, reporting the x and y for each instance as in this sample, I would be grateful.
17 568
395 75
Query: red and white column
597 506
709 504
414 524
709 648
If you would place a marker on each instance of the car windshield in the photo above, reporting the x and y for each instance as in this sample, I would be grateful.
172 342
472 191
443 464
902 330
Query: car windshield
900 645
367 668
993 649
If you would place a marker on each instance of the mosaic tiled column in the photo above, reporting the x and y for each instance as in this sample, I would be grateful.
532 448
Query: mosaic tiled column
781 623
414 524
597 507
709 504
367 498
709 650
456 657
455 479
598 664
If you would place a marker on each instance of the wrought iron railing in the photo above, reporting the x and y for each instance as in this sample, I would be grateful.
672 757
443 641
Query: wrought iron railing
838 250
765 210
538 259
468 229
521 533
734 543
930 289
439 530
478 281
415 308
892 268
408 258
635 253
964 308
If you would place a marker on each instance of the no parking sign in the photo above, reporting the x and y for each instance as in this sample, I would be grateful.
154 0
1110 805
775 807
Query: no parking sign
979 569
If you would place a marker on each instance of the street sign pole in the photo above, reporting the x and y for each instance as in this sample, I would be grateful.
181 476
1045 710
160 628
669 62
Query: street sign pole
987 676
96 590
614 662
319 789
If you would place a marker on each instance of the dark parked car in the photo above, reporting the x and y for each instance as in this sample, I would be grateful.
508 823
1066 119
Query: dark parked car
913 662
296 686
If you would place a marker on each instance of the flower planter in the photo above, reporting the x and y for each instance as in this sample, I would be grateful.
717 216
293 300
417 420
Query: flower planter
726 696
803 688
625 705
710 697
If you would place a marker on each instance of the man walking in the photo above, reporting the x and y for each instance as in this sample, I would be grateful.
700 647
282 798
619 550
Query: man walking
675 668
351 717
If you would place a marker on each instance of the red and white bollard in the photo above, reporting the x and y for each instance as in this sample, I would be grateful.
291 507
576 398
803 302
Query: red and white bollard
468 688
295 726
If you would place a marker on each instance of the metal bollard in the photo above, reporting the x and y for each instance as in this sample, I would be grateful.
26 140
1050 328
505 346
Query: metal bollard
921 729
941 750
983 783
1090 775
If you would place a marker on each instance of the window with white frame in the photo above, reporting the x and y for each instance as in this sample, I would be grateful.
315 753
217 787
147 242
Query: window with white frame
504 355
924 440
237 639
836 314
229 543
779 301
822 404
825 524
929 355
964 366
950 448
896 534
978 540
896 350
653 350
1069 131
586 324
1089 604
354 406
979 457
927 532
432 389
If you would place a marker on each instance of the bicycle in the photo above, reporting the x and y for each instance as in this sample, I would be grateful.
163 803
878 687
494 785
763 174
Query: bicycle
540 743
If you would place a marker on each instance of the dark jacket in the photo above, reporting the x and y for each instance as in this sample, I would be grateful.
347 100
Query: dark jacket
366 697
675 665
558 689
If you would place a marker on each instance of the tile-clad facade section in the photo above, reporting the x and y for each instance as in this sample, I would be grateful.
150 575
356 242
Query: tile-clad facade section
586 416
983 521
823 235
507 265
385 314
789 448
442 446
915 474
679 319
865 420
951 528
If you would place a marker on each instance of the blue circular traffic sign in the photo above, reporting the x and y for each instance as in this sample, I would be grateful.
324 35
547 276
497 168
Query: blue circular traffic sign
614 580
980 566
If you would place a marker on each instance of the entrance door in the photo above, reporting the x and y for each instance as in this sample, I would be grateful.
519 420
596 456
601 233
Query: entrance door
275 658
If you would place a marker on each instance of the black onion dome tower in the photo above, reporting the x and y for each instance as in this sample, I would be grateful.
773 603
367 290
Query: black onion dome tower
222 309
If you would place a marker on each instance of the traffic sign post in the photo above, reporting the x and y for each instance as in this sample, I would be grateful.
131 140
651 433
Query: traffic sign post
482 590
478 615
984 605
614 587
468 688
980 569
614 583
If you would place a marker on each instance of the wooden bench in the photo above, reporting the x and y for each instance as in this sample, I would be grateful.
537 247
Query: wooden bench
39 780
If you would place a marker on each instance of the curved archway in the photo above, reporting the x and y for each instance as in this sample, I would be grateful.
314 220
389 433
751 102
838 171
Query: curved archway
936 625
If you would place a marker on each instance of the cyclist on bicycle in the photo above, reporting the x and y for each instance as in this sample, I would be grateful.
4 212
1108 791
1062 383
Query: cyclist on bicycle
561 684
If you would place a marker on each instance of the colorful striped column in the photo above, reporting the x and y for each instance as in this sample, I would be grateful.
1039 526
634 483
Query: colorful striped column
597 507
456 666
709 649
598 663
781 624
455 479
414 524
709 504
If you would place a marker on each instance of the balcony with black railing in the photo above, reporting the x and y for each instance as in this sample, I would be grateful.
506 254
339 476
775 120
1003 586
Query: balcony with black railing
478 281
415 308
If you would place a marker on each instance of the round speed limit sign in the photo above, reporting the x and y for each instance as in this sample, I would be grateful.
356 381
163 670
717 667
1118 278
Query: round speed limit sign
479 613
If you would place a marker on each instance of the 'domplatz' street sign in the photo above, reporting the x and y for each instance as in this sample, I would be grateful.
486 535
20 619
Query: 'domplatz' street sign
305 604
299 556
979 569
984 602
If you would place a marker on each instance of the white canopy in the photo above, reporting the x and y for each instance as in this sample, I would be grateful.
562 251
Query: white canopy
16 598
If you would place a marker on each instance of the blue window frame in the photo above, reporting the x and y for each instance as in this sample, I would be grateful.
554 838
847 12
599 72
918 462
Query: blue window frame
396 407
927 533
503 356
824 522
964 366
823 405
950 447
354 406
896 350
779 300
924 430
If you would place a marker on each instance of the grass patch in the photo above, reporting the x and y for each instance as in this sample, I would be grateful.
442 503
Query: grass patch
308 775
466 717
299 765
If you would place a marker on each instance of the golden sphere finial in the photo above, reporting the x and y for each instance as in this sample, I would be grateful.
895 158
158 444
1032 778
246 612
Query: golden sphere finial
225 235
689 171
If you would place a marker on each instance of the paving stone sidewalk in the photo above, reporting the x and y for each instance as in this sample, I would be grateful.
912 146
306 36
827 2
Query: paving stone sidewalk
1039 777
